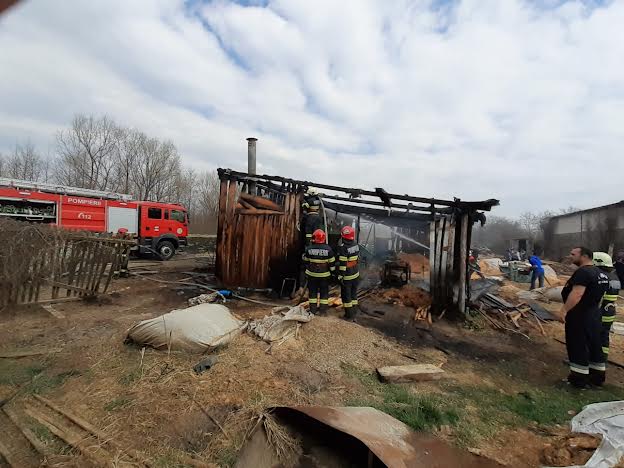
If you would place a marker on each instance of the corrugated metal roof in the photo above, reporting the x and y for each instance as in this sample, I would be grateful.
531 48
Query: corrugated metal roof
598 208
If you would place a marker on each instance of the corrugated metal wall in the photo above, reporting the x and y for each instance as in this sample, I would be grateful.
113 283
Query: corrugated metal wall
259 250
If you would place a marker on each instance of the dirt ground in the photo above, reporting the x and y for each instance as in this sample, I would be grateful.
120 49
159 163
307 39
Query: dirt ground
153 402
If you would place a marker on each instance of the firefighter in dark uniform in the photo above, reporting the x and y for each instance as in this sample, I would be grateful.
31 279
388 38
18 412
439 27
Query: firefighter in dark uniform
604 262
348 271
320 264
312 209
581 313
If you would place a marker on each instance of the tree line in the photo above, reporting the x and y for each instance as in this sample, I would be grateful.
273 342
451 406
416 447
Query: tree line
98 153
499 230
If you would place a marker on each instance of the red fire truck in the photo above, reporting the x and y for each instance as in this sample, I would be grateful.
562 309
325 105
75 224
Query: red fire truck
159 228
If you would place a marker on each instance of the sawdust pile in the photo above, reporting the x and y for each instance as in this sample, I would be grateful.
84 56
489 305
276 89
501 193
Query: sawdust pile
509 292
407 296
490 266
417 262
570 450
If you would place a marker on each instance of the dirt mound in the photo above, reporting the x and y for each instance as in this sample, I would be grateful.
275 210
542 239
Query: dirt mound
407 296
417 262
570 450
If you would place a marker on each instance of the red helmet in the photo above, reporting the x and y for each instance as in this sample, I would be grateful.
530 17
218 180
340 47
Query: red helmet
318 236
348 233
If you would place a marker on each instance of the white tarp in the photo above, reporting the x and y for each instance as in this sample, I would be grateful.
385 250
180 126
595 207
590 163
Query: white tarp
607 420
195 329
280 327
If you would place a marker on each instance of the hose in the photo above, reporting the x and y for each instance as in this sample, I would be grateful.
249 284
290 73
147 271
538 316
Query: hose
208 288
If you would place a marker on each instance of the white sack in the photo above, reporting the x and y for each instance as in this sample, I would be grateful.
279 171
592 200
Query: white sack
195 329
280 327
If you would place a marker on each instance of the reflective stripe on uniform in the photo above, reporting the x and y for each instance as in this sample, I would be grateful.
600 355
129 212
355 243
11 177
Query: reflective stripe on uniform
318 260
351 277
342 259
347 305
579 369
352 259
608 318
599 366
605 350
342 268
610 297
354 302
313 274
309 235
324 301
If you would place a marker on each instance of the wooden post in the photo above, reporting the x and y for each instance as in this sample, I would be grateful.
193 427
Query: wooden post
432 244
463 260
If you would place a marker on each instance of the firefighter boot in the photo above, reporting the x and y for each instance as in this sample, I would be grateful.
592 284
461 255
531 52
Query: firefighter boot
578 380
597 377
313 308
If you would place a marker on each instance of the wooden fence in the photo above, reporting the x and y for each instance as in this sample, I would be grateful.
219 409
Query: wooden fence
40 264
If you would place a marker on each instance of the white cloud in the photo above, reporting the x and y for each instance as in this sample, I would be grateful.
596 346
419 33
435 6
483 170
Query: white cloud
518 99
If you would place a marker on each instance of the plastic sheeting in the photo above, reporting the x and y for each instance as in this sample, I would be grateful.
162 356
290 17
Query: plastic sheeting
606 419
196 329
280 327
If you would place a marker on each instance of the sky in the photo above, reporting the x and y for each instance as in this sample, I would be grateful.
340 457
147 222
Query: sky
520 100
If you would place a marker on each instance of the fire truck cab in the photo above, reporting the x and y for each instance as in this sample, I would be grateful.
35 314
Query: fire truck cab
159 228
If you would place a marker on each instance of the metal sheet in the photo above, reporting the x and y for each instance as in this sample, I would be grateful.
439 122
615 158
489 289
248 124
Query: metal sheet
394 443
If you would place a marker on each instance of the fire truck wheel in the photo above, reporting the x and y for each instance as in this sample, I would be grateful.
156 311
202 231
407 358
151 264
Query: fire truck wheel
166 250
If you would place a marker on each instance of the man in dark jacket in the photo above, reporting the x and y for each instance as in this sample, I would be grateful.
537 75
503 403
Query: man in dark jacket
581 313
349 272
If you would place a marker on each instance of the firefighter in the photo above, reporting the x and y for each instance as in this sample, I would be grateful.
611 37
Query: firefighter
582 296
349 272
320 261
603 261
311 206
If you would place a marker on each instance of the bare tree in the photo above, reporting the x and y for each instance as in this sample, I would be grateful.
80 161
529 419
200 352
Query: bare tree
25 163
87 152
2 165
156 169
126 156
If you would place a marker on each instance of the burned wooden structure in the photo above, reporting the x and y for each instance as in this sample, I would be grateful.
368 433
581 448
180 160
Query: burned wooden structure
44 264
262 248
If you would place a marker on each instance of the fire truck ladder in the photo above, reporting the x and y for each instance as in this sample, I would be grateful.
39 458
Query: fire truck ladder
63 189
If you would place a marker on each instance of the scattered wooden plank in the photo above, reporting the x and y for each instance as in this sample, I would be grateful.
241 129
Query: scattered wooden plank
87 426
55 313
30 436
28 352
410 373
8 456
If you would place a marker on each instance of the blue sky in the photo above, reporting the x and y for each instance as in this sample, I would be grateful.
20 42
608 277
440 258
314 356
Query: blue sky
515 99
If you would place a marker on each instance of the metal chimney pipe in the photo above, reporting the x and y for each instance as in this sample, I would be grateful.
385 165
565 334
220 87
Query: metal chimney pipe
251 162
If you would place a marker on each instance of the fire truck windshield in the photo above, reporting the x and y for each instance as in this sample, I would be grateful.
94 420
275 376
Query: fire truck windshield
177 215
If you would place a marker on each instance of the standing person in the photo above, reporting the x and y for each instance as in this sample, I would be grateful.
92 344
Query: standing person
320 261
349 272
537 270
582 295
608 308
312 221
